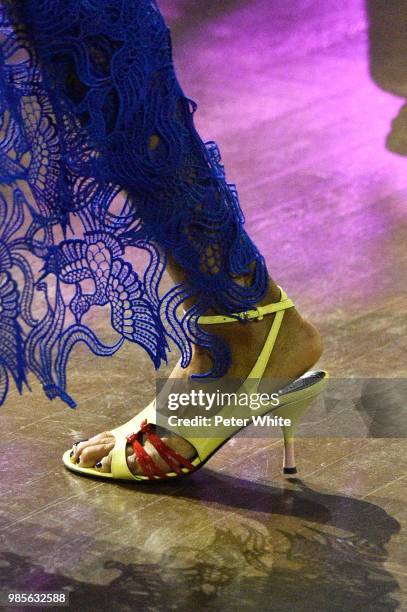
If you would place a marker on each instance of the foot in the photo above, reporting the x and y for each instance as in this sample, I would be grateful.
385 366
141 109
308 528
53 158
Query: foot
298 347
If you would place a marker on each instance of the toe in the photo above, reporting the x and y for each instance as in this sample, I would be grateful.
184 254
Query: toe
77 449
133 465
94 454
105 464
80 447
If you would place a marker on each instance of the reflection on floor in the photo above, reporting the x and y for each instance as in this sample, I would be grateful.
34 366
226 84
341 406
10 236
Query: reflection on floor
296 97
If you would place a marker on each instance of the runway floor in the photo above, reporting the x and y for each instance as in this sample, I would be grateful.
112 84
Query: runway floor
303 99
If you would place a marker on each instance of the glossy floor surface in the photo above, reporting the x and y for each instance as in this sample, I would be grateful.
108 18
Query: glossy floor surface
306 100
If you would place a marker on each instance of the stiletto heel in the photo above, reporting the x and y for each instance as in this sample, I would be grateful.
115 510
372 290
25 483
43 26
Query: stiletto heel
289 466
294 412
294 400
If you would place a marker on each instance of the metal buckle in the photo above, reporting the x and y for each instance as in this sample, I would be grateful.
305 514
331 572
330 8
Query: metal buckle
244 316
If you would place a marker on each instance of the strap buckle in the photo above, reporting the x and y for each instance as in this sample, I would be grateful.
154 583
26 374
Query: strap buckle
243 316
247 315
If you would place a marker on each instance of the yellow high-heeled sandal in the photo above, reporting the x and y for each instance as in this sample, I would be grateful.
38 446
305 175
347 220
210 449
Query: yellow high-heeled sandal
294 400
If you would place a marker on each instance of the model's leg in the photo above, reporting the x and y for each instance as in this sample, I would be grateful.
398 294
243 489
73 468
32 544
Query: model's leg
297 349
137 120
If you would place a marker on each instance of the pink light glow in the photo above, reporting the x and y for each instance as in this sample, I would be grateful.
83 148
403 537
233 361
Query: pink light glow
287 91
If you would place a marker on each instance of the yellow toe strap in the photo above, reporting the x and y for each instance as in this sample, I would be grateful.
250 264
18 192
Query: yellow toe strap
119 467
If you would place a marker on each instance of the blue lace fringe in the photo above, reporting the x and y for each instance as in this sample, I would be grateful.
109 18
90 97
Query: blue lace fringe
99 157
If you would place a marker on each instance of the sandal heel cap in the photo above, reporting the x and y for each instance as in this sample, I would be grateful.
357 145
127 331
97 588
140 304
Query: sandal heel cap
292 470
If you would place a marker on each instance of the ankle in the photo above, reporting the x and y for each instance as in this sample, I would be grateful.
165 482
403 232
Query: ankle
272 295
243 337
298 341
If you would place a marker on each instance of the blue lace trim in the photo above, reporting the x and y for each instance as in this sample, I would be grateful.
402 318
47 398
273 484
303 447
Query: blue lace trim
99 159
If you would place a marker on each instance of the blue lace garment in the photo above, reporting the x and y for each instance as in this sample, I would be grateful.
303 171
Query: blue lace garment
99 157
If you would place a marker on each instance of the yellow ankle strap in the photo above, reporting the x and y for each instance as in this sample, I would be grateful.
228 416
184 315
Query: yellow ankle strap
255 313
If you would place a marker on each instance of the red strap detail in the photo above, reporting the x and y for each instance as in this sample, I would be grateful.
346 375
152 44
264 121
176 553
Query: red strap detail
147 464
170 456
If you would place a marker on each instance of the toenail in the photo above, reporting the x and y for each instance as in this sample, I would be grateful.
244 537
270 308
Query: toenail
79 441
98 464
78 460
71 454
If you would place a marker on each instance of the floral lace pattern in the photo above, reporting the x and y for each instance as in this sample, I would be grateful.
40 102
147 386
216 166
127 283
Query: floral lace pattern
99 158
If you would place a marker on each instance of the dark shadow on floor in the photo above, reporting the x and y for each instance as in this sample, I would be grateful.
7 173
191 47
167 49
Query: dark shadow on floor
302 503
238 568
383 407
388 60
349 570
